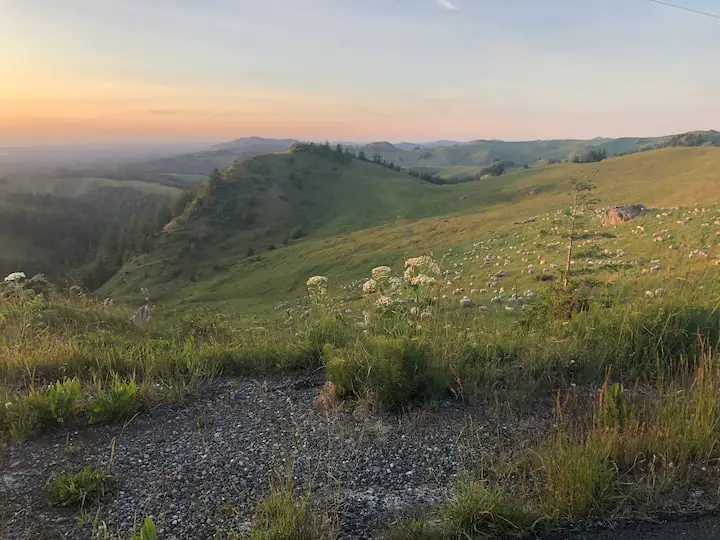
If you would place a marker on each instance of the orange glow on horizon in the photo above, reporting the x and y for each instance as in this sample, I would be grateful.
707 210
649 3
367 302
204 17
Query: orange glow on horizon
59 108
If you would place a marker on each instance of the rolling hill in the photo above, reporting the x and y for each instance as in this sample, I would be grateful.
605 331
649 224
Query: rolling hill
186 170
481 153
340 217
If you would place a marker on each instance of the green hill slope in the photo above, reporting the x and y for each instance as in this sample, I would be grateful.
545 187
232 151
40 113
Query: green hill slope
358 214
482 153
190 169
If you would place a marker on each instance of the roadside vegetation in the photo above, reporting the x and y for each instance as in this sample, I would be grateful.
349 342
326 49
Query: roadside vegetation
621 325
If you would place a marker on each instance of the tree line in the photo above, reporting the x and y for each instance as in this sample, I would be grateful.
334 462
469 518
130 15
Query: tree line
86 238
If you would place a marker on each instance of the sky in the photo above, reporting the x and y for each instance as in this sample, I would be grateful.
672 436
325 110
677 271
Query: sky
354 70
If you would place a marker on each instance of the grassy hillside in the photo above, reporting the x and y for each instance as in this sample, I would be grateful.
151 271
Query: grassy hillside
602 391
190 169
77 186
482 152
358 215
58 225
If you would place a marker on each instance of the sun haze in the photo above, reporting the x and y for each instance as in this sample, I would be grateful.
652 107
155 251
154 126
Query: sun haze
87 70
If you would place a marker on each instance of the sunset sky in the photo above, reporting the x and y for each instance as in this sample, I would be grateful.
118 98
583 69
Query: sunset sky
109 70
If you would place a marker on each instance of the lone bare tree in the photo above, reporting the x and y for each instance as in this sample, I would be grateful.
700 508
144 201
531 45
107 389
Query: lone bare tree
581 188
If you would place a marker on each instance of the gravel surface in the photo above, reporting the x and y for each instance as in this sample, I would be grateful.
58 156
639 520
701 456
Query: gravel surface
201 468
707 528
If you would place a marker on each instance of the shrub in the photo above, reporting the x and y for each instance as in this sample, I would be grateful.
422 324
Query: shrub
326 330
576 479
285 516
22 416
395 371
488 512
62 399
117 402
77 489
558 303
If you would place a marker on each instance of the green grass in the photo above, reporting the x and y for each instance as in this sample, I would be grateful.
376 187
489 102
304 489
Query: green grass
88 486
482 153
285 515
347 202
594 466
394 356
67 360
83 186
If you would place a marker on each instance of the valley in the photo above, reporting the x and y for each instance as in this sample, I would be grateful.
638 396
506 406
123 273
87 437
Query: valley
314 343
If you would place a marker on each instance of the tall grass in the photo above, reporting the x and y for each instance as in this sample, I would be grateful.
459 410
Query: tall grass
616 461
394 356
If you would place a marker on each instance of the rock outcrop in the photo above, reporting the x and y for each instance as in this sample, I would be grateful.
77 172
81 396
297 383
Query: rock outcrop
618 214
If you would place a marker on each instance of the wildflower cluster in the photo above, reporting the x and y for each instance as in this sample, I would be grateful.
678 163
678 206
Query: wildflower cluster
317 287
421 273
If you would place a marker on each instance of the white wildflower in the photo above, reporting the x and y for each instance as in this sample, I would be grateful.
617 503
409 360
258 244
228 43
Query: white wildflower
141 317
16 277
317 281
381 273
422 279
383 301
395 283
421 265
317 287
370 286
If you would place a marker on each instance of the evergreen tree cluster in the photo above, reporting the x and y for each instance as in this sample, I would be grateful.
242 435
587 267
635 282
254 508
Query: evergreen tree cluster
88 237
338 152
496 169
343 154
593 155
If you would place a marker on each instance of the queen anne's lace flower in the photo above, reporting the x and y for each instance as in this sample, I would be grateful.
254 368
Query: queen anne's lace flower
317 281
317 287
141 317
16 276
384 301
424 265
395 283
381 273
370 286
423 280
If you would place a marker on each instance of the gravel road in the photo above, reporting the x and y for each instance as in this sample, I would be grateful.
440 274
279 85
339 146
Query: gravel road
199 469
707 528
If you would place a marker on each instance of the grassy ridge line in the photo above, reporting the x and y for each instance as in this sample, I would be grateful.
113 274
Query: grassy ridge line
460 214
77 187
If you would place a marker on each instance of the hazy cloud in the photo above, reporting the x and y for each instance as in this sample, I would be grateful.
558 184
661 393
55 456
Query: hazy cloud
446 4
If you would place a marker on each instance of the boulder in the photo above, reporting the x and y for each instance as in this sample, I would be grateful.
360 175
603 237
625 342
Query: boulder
618 214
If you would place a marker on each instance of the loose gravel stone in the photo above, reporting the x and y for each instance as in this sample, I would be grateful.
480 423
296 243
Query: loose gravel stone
201 468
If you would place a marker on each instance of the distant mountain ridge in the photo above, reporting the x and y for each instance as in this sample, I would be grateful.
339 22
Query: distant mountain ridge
187 169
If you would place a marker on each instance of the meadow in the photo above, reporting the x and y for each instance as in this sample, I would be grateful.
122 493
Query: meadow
217 271
470 308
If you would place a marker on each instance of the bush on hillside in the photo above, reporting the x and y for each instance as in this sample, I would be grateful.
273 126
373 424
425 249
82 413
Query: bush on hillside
591 156
393 371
